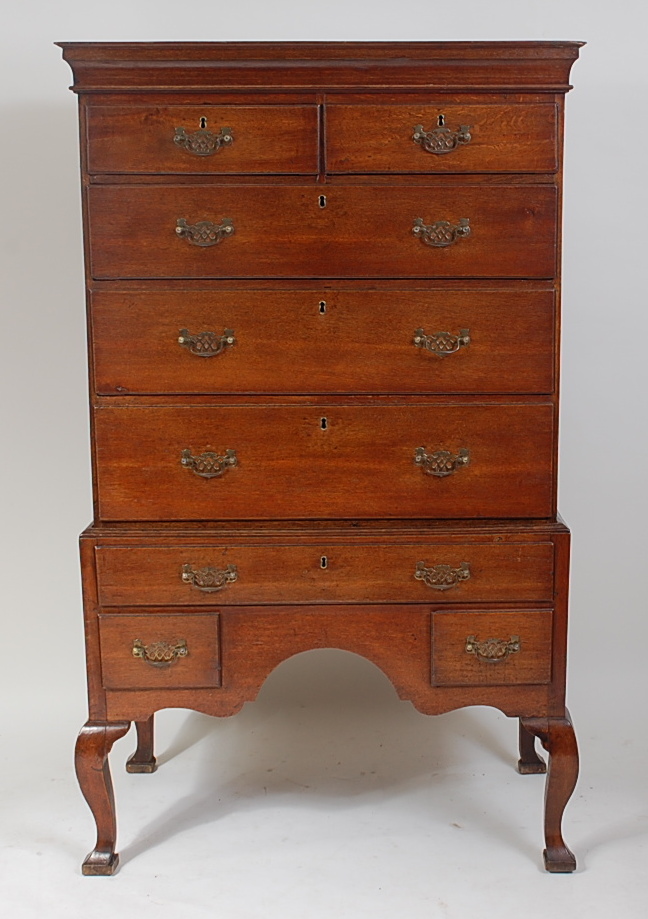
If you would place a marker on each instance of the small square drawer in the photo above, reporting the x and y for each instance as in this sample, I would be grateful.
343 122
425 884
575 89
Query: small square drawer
206 139
441 138
158 650
491 648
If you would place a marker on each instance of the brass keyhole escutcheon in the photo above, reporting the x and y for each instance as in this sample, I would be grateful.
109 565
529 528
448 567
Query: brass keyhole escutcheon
322 200
203 122
324 562
322 307
324 424
441 121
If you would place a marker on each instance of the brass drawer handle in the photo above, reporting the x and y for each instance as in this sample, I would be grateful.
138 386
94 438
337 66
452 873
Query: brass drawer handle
203 142
442 577
493 650
208 579
160 653
442 343
442 462
204 233
209 465
441 139
442 233
206 344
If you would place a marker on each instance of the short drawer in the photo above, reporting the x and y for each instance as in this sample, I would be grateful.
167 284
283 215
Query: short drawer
205 139
491 648
422 460
253 231
158 650
331 341
441 138
330 572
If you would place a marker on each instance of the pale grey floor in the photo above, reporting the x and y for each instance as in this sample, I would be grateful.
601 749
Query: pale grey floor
326 798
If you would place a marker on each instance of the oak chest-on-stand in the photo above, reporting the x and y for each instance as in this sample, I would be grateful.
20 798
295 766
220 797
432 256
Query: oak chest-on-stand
323 309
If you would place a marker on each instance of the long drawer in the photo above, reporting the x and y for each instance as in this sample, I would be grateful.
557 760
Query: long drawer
329 461
209 139
441 138
310 232
195 575
331 341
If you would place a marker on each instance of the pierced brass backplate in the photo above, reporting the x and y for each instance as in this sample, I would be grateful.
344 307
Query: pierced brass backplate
441 343
442 577
209 465
441 139
160 653
204 233
209 579
442 462
206 344
442 233
493 650
202 142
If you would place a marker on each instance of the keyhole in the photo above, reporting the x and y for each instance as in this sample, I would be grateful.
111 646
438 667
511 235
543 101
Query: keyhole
322 306
323 562
324 423
203 122
441 120
322 200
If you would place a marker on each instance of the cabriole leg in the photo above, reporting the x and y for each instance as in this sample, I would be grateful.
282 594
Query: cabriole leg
529 762
93 772
559 740
142 759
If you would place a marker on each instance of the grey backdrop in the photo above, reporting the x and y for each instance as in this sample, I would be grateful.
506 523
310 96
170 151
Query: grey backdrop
46 477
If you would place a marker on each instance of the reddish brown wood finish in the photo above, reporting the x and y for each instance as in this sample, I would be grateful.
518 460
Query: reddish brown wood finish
283 232
142 760
266 139
559 740
122 670
529 762
361 465
379 138
323 394
453 665
329 572
324 341
93 772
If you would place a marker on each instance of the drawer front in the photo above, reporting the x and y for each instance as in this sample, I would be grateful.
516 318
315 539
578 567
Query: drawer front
339 461
454 138
491 648
206 139
159 650
419 341
329 572
282 231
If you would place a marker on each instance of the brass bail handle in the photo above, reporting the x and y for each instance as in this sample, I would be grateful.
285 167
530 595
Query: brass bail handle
442 462
202 142
204 233
206 344
442 233
493 650
160 653
441 139
442 577
209 579
209 465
